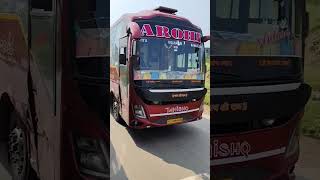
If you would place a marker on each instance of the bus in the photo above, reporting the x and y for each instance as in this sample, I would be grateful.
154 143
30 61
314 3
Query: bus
54 81
258 91
157 69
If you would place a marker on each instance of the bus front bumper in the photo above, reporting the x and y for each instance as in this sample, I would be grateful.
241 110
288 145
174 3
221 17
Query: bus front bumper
165 115
262 154
143 123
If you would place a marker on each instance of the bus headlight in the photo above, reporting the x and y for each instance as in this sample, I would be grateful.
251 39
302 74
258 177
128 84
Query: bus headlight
92 157
139 112
293 146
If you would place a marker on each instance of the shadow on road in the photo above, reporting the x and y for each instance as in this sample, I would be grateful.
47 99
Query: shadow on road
116 169
301 178
185 145
4 156
308 166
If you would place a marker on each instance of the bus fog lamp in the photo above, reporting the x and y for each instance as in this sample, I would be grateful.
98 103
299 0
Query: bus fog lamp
92 161
92 157
268 122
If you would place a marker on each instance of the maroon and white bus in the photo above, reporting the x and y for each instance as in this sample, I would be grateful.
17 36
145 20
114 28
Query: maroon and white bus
157 69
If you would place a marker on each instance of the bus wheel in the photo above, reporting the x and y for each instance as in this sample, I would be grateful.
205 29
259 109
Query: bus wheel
18 153
115 109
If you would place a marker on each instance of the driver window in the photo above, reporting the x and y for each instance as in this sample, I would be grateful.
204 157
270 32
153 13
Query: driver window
43 5
227 9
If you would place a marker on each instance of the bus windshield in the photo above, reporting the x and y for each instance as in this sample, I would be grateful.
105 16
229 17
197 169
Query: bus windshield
256 27
166 59
91 26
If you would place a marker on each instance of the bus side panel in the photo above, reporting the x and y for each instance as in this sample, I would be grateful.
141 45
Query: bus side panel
42 67
114 81
13 62
114 61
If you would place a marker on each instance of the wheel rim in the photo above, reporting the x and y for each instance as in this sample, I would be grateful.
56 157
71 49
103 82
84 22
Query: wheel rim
115 109
17 153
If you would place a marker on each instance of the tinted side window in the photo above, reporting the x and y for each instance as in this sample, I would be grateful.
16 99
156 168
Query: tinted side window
46 5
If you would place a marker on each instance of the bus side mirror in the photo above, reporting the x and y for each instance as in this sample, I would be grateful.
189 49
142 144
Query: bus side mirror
306 23
135 30
122 59
122 56
205 38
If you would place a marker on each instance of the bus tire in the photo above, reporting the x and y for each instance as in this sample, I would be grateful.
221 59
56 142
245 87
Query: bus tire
18 150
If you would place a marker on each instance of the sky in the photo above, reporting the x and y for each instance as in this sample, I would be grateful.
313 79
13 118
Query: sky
197 11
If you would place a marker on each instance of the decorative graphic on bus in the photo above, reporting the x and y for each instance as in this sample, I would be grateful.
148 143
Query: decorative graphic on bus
270 30
167 75
230 107
221 149
174 33
177 109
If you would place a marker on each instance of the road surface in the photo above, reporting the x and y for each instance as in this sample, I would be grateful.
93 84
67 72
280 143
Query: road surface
308 166
171 153
151 160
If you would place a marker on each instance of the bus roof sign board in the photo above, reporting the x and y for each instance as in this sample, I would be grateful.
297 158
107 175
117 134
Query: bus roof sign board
160 31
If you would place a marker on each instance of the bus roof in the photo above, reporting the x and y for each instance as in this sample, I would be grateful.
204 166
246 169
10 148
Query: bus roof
148 14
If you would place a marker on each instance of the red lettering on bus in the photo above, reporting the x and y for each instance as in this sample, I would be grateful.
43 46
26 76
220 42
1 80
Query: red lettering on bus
198 37
192 36
177 33
162 32
146 30
186 35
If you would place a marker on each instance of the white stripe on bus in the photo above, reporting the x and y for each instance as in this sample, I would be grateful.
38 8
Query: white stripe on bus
174 90
254 89
248 158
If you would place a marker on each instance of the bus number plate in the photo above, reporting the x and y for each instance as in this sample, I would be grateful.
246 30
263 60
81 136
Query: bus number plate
174 121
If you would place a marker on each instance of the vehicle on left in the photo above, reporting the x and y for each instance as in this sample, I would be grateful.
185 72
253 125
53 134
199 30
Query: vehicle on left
54 76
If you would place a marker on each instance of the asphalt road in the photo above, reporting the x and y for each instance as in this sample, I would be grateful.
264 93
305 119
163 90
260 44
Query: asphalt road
171 153
174 154
308 166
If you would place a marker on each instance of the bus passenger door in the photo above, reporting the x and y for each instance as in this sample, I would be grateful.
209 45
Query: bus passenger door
124 79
